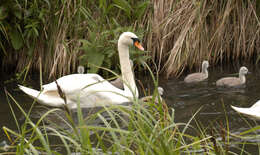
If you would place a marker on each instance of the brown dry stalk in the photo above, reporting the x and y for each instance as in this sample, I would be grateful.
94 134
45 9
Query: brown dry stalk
184 33
180 35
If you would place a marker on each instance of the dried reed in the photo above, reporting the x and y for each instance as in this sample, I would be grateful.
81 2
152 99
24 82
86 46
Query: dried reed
180 34
184 33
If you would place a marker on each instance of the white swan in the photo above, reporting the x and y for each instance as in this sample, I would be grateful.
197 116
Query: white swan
91 90
253 111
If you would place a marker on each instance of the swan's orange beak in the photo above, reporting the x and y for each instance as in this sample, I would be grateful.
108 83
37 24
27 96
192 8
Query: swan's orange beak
139 46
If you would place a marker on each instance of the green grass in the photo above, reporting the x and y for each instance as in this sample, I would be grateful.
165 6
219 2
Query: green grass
139 128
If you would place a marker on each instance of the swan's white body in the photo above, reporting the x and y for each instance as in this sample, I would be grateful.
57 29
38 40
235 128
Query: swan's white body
91 90
253 111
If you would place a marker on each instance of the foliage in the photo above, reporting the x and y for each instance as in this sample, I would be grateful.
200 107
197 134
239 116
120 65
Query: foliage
179 34
58 32
147 131
21 22
141 128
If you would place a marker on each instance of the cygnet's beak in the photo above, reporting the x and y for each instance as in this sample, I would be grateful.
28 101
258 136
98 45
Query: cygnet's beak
139 46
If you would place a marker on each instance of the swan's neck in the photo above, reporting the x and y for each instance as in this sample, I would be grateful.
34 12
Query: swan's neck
127 73
242 78
205 71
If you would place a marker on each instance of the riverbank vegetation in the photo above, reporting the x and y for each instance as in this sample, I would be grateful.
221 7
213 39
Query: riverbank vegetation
179 35
142 128
54 37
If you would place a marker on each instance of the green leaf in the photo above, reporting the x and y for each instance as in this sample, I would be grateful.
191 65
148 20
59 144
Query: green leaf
3 13
18 14
16 39
93 56
140 9
95 60
123 5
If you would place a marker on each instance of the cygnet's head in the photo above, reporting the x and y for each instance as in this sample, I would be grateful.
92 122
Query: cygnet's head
129 39
243 71
205 64
81 70
160 91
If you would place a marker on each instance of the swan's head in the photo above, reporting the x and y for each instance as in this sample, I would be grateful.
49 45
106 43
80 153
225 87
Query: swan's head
129 39
243 71
205 64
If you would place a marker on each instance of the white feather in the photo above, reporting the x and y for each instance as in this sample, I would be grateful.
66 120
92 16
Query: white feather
253 111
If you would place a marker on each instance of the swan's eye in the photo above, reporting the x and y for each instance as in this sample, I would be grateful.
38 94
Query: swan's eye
135 40
137 44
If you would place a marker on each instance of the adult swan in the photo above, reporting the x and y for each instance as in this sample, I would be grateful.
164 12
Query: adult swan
91 90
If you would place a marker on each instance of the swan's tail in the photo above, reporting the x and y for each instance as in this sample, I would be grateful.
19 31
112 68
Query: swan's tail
31 92
49 100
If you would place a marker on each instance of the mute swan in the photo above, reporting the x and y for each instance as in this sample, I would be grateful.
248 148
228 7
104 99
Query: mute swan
91 90
118 82
234 81
253 111
197 77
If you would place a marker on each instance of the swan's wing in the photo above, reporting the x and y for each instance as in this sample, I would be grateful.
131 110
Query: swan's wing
87 88
104 92
118 83
72 83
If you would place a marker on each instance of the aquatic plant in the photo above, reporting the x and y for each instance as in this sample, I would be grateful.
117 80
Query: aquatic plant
184 33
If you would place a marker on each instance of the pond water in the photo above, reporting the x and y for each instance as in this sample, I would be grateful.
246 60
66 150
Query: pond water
212 103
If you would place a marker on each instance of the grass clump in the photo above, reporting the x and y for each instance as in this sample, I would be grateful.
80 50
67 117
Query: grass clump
138 128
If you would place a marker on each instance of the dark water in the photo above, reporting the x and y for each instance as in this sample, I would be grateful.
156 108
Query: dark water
213 103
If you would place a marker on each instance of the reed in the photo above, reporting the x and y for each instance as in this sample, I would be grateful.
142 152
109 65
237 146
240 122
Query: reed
184 33
179 34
